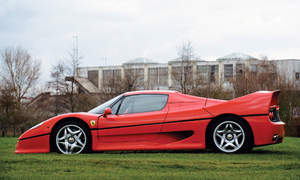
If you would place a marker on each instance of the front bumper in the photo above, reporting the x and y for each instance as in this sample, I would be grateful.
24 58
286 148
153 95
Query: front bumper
35 144
34 140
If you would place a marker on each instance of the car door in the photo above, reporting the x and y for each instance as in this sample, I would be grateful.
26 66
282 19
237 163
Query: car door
135 119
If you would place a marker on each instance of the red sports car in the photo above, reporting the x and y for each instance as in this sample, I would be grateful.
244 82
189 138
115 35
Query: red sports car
161 120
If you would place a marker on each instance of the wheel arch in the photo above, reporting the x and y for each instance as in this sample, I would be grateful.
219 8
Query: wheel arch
221 116
62 121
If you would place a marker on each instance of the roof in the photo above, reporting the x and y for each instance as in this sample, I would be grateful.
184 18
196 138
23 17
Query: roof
178 60
295 60
236 56
86 85
140 60
150 92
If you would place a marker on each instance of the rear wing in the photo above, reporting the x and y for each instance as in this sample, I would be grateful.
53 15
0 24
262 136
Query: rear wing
274 100
257 103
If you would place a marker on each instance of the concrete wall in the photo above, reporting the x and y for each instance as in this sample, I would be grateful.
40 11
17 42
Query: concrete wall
289 68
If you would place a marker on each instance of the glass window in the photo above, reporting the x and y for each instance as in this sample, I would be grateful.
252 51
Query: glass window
143 103
202 69
93 77
158 76
228 71
253 67
240 69
100 109
111 77
214 70
135 76
115 107
297 75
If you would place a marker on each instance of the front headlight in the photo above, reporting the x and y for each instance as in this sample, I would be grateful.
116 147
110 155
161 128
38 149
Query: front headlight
38 125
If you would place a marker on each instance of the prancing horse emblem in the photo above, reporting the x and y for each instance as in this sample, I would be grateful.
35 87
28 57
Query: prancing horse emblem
93 122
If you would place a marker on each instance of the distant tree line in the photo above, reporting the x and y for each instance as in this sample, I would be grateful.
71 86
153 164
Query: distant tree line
19 74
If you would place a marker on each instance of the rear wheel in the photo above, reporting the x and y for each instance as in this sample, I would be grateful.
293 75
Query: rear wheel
230 135
72 138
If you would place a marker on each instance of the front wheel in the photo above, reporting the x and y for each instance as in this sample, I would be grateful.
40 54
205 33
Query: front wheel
230 135
71 138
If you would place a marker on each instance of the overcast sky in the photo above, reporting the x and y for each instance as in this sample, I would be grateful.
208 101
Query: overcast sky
125 29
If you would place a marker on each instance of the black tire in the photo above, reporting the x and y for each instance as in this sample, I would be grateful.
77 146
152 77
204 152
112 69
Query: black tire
230 135
85 137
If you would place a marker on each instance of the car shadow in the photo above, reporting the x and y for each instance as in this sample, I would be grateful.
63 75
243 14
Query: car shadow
153 151
190 152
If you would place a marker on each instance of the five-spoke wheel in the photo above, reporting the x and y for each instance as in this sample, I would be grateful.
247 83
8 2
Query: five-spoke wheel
71 138
230 135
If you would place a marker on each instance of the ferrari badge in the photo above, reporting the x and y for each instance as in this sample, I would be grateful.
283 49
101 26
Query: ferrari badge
93 122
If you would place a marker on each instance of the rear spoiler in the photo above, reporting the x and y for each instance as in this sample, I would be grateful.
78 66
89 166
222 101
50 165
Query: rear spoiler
257 103
274 100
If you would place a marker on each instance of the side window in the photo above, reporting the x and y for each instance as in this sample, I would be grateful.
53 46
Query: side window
115 107
143 103
297 75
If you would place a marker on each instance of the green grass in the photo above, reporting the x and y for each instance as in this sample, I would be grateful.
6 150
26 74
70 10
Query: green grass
280 161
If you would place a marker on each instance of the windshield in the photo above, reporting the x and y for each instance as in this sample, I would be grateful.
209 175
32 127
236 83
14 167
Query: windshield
100 109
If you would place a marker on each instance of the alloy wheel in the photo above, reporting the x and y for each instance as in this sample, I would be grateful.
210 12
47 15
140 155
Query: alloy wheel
229 136
71 139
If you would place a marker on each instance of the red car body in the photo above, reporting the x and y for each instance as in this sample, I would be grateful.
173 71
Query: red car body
182 124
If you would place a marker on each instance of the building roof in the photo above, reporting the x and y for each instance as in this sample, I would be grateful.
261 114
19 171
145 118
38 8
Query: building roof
140 60
178 60
84 84
236 56
295 60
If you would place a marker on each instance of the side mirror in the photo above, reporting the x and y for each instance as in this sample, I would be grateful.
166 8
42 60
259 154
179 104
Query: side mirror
107 111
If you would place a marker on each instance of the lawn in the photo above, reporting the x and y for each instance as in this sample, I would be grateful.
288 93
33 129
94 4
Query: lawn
280 161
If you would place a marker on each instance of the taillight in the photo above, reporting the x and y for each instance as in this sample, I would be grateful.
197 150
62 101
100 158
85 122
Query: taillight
271 115
274 113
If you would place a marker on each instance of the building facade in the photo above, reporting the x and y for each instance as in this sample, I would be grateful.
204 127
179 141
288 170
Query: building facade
149 74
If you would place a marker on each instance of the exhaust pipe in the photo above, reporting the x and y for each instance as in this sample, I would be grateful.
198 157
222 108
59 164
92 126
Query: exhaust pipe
275 138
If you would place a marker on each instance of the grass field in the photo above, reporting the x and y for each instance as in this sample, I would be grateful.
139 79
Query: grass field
280 161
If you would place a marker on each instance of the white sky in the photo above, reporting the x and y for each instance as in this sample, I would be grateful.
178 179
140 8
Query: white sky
125 29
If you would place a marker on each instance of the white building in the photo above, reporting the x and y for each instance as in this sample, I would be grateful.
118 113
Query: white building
155 75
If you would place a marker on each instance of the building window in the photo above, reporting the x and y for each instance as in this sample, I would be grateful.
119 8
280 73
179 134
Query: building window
158 77
202 71
93 77
297 75
214 70
111 78
182 74
228 72
240 69
253 67
135 77
207 73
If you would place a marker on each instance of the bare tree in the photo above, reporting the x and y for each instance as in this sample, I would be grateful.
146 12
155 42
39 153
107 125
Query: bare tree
114 84
182 75
67 96
71 66
60 86
19 74
133 79
19 71
263 77
7 107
